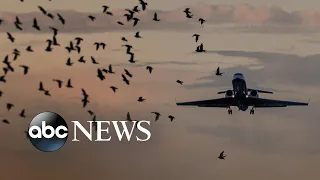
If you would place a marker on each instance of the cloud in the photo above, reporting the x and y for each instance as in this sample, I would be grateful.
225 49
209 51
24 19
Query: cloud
244 17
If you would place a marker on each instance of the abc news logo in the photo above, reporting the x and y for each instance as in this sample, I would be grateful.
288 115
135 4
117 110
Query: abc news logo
48 131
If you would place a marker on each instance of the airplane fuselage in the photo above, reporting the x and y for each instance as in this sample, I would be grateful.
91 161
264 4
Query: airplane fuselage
240 91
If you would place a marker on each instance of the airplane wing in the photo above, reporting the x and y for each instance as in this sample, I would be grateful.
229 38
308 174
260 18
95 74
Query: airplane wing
260 103
261 91
221 102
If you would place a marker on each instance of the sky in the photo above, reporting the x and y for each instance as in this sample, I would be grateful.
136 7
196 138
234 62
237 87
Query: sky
275 143
94 5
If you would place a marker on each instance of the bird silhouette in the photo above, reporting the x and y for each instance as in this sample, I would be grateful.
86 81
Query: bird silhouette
18 27
69 84
110 70
157 115
197 37
49 48
61 19
17 21
2 79
22 113
85 100
29 49
78 40
35 24
10 37
94 60
131 60
25 69
143 5
100 75
54 41
55 30
82 60
188 13
137 35
5 121
155 17
222 156
141 99
135 21
149 68
105 8
47 93
114 89
59 82
200 48
92 18
42 10
171 118
128 73
41 86
135 9
124 39
119 22
124 78
129 47
201 21
218 73
9 106
50 15
91 112
69 63
179 82
131 120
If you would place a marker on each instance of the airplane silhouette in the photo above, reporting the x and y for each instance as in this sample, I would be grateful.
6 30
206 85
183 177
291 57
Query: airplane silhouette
242 97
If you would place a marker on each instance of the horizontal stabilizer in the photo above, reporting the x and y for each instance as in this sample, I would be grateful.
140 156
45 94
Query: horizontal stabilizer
261 91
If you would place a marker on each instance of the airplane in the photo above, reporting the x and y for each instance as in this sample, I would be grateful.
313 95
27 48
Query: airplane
242 97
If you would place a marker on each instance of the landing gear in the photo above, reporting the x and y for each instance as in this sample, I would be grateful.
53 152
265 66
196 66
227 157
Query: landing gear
252 111
229 110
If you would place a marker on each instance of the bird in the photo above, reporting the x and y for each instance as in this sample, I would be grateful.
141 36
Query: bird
50 15
124 78
6 121
29 49
90 112
55 30
179 82
171 118
157 115
85 100
82 60
25 69
9 106
17 21
41 86
128 73
84 93
18 26
47 93
78 40
221 156
59 82
129 47
62 20
119 22
141 99
218 73
54 41
129 119
136 20
137 35
188 13
10 37
2 79
197 37
131 60
69 63
155 17
100 75
135 9
124 39
105 8
143 5
149 68
69 84
22 113
201 21
35 24
94 60
114 89
92 17
49 48
200 48
110 70
42 10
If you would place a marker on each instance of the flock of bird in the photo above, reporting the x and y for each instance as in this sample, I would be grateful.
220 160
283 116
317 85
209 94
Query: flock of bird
75 45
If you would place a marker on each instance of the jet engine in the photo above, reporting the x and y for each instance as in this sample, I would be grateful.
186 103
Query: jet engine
229 93
254 93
